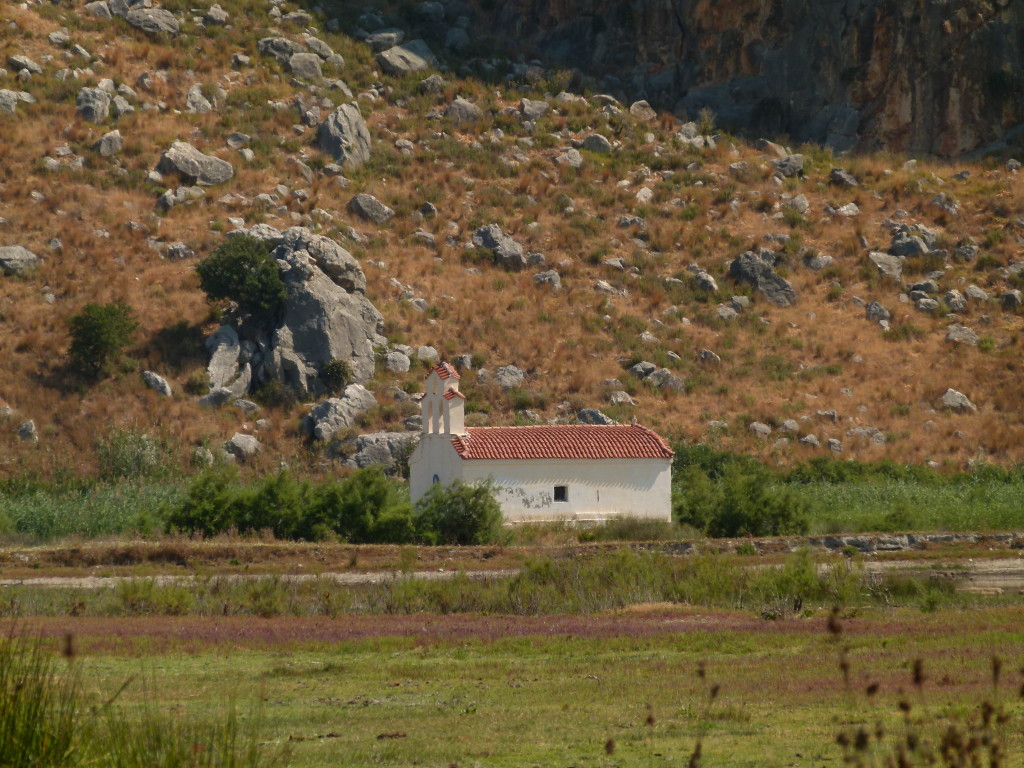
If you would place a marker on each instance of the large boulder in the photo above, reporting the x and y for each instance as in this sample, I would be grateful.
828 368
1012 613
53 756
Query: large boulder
887 264
369 208
507 252
322 320
413 56
462 111
381 449
757 269
93 105
195 167
280 48
14 260
344 136
224 347
957 402
305 66
338 413
155 21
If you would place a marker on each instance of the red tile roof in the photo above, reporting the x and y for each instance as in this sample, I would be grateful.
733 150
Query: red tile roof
451 393
562 442
445 371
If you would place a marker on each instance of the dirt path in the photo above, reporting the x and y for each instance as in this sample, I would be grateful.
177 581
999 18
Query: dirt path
995 576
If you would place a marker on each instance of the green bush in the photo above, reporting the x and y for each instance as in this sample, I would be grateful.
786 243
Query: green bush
242 270
459 513
99 333
739 502
335 375
363 508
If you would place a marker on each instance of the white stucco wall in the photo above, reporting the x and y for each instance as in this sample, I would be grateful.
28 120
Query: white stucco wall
597 489
434 455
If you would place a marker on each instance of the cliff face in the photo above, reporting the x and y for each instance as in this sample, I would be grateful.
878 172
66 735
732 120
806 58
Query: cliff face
924 76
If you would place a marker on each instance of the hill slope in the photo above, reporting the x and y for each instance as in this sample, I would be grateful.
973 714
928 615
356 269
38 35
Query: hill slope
632 226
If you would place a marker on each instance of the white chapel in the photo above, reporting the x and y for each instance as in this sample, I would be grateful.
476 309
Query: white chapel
576 472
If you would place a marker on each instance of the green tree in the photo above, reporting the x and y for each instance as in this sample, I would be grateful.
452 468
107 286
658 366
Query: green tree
459 513
242 270
99 333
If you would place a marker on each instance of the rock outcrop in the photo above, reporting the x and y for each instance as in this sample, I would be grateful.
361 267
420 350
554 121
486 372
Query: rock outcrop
940 78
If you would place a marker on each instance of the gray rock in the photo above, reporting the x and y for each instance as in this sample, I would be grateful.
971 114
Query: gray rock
178 251
8 102
877 313
99 9
907 244
369 208
338 413
956 301
396 362
887 264
463 362
93 105
798 204
224 347
215 16
757 270
28 433
381 449
413 56
334 261
570 158
643 369
705 281
834 445
707 357
974 293
961 334
24 64
280 48
154 21
242 446
927 305
594 416
383 39
810 440
196 102
462 111
620 398
216 398
957 402
319 47
871 434
551 277
506 251
428 354
202 456
184 159
323 321
157 383
725 314
16 260
595 142
109 144
641 110
344 136
533 109
120 106
791 165
434 84
509 377
1011 300
305 66
817 262
759 429
842 178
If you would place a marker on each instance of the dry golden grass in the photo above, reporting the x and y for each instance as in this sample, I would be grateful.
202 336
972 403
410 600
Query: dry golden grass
820 355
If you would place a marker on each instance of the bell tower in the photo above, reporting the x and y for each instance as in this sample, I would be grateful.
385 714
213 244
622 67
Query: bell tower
443 406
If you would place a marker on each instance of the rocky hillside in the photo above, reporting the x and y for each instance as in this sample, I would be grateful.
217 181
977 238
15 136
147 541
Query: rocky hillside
577 255
911 76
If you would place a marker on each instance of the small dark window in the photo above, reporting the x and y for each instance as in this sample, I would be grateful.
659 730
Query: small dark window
561 493
437 480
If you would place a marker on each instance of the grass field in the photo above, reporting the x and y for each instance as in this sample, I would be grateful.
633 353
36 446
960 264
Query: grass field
619 689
